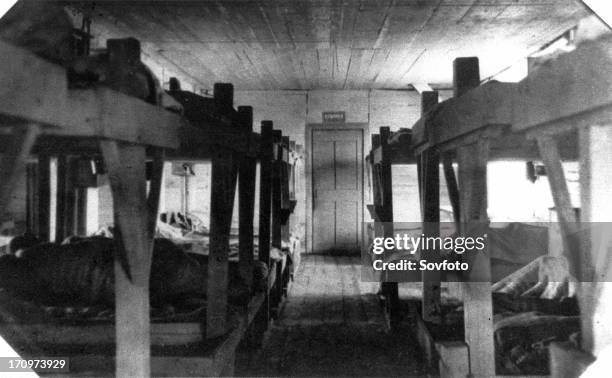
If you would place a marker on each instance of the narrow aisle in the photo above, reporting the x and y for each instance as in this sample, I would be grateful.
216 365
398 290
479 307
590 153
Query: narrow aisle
332 325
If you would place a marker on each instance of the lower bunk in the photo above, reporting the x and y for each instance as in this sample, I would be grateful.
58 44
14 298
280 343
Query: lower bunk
57 300
535 309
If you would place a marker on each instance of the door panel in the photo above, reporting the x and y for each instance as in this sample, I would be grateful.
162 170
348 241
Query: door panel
337 183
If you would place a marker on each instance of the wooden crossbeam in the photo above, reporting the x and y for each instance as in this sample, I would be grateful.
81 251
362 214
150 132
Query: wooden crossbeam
35 90
572 90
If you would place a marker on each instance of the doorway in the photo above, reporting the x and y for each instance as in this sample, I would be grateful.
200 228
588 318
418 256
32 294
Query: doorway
336 188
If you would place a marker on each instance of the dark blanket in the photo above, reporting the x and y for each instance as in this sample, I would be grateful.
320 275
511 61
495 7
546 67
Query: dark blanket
81 273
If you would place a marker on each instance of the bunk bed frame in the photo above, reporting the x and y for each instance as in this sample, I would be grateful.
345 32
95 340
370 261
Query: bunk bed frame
41 115
569 96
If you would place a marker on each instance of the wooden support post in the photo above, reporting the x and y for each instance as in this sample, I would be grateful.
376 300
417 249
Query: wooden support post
596 269
31 198
390 289
477 299
430 210
13 161
451 185
566 216
265 191
466 75
61 199
246 204
276 191
126 171
44 197
266 154
224 95
223 190
277 226
80 211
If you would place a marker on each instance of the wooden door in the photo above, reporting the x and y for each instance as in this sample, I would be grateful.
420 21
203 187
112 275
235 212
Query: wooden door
337 190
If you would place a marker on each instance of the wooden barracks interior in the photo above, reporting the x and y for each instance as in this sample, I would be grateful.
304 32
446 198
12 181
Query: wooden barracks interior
192 188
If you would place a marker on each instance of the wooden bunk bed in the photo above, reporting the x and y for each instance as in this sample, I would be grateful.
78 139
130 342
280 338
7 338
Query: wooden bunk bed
41 115
561 111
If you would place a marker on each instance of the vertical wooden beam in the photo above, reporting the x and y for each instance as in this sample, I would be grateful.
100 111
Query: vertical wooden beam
266 154
566 216
265 191
466 75
223 190
127 175
61 205
430 209
44 197
390 289
277 227
276 190
246 204
80 198
31 198
596 268
477 299
155 189
451 184
13 161
223 94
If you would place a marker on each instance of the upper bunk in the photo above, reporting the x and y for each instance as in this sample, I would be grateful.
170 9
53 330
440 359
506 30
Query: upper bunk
564 93
38 96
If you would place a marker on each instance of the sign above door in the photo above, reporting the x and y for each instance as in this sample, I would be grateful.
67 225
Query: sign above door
334 117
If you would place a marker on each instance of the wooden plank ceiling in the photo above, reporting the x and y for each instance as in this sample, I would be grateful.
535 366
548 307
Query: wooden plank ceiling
334 44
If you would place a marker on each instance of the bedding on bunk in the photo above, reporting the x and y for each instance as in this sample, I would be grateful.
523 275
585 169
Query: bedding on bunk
189 232
534 306
79 275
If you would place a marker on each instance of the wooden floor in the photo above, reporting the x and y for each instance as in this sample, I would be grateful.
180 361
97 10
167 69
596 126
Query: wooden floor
332 325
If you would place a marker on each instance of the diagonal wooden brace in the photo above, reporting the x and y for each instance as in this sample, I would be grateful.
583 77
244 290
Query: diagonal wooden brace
13 162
